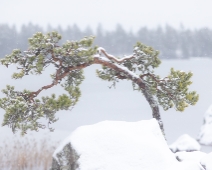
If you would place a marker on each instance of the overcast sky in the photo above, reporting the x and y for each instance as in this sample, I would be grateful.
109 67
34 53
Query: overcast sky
132 14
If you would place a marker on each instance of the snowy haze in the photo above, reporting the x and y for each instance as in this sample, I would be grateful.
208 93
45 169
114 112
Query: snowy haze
98 102
132 14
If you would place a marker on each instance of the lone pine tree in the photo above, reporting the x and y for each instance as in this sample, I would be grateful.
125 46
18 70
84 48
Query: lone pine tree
23 109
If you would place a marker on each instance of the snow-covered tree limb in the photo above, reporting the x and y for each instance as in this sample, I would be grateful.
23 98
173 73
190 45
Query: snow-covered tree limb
23 109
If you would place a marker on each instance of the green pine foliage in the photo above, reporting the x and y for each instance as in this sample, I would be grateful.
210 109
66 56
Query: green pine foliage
171 91
24 109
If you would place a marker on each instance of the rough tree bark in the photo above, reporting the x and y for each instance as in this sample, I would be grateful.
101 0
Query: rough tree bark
155 109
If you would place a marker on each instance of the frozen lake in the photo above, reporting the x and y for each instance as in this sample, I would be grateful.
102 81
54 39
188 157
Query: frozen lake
99 103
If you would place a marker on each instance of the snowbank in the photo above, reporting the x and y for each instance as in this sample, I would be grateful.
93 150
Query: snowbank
185 143
190 156
117 145
206 161
205 136
202 159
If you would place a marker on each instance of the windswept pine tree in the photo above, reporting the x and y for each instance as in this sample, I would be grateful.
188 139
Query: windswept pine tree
23 109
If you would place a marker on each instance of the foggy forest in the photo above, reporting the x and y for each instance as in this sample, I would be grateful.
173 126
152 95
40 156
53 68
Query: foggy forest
171 42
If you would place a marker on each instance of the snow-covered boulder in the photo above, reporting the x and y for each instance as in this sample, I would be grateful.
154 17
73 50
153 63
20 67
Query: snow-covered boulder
205 135
206 161
190 156
117 145
185 143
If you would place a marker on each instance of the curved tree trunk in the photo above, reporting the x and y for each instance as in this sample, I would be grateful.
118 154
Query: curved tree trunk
154 106
120 69
149 97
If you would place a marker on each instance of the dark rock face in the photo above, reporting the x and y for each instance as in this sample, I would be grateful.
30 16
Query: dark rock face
66 159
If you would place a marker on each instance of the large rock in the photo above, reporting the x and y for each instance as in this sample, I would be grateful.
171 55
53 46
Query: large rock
116 145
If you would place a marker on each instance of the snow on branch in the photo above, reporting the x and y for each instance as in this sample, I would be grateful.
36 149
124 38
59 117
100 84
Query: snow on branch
69 60
111 57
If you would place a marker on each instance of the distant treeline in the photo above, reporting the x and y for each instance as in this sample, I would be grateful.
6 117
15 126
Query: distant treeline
171 42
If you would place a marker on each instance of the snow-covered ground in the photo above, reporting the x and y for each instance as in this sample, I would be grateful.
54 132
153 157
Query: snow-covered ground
203 159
